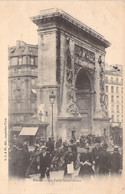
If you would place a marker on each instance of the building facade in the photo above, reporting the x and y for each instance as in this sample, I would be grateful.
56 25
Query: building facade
114 93
22 79
71 65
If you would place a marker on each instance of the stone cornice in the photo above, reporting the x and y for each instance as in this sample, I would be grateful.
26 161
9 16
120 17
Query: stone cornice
22 66
80 41
69 118
47 86
56 13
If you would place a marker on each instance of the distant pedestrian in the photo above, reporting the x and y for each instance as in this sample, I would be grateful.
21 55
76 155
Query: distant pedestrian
23 160
104 161
45 162
95 155
86 164
68 160
116 162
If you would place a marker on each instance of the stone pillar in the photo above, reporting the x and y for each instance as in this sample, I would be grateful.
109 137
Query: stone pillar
47 77
63 75
98 112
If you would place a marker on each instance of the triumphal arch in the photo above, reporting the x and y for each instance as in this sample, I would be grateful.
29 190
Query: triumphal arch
71 63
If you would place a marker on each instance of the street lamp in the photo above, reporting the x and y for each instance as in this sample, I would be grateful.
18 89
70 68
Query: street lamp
52 98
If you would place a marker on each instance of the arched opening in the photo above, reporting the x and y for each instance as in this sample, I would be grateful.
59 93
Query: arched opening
84 99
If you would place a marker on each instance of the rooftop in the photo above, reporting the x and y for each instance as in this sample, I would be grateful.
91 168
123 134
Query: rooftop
22 48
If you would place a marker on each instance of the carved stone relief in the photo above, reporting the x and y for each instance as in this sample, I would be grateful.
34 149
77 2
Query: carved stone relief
71 105
84 54
102 89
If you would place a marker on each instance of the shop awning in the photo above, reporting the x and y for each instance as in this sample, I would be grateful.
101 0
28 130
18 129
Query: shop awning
29 131
16 128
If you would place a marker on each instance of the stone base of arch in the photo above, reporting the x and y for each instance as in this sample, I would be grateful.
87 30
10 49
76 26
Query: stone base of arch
68 126
101 126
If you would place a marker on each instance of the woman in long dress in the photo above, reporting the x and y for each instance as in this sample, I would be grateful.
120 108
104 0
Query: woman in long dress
86 164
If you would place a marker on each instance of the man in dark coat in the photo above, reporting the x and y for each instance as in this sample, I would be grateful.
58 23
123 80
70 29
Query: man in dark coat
74 152
86 164
68 159
116 161
104 161
50 145
13 161
45 162
95 155
23 160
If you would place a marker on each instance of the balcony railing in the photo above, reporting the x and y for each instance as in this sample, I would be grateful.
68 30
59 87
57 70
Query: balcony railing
113 82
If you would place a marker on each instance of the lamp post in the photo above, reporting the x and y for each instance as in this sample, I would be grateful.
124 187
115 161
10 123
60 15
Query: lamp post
52 98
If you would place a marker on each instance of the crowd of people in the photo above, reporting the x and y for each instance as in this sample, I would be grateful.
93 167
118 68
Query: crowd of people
88 155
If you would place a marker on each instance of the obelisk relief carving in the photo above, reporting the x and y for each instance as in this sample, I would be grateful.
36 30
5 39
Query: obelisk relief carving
98 110
102 87
69 107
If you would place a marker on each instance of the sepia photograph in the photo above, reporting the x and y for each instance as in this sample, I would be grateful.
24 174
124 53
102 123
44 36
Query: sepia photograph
61 92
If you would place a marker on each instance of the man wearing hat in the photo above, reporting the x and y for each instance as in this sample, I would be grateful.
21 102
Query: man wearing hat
95 155
68 159
116 161
104 161
45 162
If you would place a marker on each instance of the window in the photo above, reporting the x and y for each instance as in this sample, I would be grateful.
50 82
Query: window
117 108
111 79
18 82
112 118
117 89
121 81
117 80
106 78
117 117
106 98
36 61
15 70
122 99
112 108
112 89
106 88
122 109
32 61
117 99
122 90
18 93
112 98
24 60
14 61
20 61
